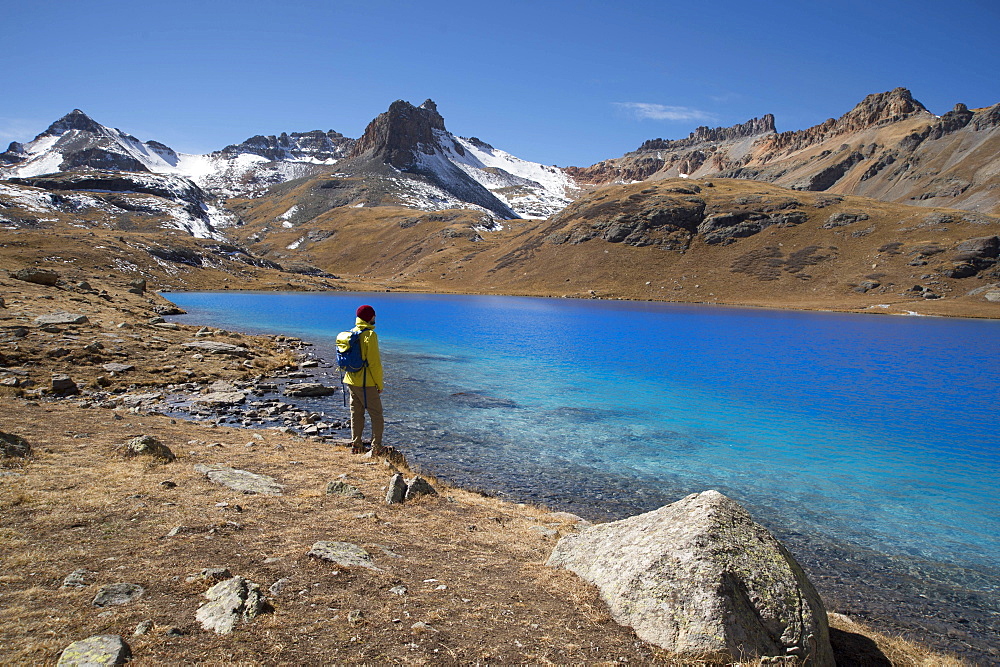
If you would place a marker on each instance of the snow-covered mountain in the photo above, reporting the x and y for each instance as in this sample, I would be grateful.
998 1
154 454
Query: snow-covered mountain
435 169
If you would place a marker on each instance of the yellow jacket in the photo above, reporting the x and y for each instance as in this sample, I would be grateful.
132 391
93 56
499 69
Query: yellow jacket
370 375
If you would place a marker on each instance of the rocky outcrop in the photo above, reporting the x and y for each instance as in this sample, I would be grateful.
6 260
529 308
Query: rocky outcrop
317 146
702 580
400 132
752 128
409 139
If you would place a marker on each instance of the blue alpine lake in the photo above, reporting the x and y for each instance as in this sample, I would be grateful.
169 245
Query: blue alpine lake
868 443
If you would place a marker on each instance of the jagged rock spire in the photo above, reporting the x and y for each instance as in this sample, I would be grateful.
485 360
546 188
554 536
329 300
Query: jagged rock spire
399 132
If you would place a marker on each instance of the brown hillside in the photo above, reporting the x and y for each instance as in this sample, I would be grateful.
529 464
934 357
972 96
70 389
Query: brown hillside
719 241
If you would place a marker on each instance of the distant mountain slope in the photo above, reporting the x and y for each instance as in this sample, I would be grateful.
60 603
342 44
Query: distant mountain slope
422 164
889 147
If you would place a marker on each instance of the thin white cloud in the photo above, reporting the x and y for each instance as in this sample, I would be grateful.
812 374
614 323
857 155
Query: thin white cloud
647 111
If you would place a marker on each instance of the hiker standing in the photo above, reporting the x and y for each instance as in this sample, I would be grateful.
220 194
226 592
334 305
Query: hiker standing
366 384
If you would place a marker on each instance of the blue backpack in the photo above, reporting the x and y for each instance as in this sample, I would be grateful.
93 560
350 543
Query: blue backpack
349 351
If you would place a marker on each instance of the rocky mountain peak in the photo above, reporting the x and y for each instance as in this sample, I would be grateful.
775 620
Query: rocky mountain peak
74 120
879 109
396 135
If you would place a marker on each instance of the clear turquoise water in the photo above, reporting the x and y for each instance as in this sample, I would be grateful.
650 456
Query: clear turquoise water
872 431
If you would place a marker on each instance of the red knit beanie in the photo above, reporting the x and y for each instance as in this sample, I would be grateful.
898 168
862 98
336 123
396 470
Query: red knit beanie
367 313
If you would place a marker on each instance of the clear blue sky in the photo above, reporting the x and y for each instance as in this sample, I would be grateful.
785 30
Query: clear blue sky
557 82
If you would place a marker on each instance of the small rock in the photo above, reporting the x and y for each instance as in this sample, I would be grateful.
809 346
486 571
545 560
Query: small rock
230 602
37 276
147 445
75 579
214 574
418 486
118 368
344 554
279 586
13 445
396 491
61 317
241 480
63 385
117 594
308 389
96 651
143 628
340 488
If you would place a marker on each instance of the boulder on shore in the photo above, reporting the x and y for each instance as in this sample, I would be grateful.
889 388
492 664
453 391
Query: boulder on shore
702 580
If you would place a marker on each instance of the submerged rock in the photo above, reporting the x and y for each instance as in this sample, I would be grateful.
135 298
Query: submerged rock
701 579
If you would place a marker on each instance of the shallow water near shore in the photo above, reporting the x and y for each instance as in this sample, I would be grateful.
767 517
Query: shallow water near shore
868 443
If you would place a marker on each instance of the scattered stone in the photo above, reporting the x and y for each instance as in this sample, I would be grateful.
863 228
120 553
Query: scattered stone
118 368
213 347
355 617
545 531
37 276
398 590
279 586
76 579
567 517
61 317
241 480
221 398
147 445
843 219
344 554
63 385
137 286
143 628
230 602
418 486
117 594
340 488
397 489
13 446
993 296
304 389
96 651
701 579
213 574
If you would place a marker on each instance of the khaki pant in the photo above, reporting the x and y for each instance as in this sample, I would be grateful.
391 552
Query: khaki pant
358 397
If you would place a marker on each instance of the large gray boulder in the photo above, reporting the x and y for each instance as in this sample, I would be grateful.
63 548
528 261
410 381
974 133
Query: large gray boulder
701 579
